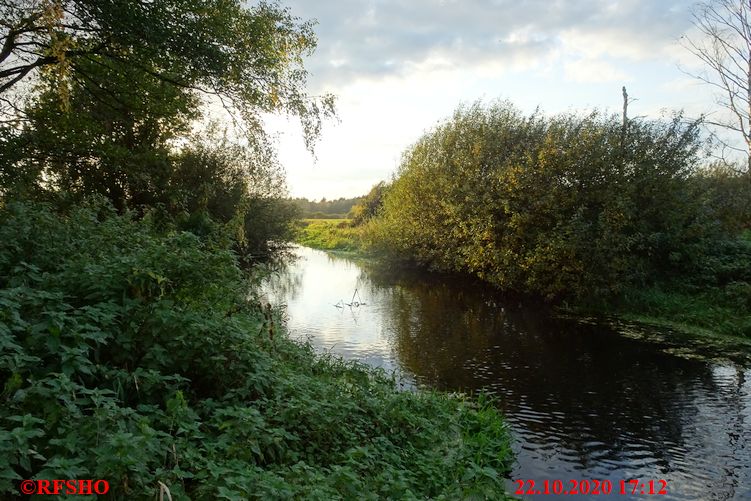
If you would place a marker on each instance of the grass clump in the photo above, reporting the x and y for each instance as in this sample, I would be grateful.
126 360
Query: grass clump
329 234
714 296
132 355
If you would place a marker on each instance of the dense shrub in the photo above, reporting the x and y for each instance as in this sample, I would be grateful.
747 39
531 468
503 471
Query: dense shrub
370 206
567 206
219 181
713 293
140 164
727 193
134 356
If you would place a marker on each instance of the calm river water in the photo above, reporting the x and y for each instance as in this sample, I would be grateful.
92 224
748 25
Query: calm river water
583 401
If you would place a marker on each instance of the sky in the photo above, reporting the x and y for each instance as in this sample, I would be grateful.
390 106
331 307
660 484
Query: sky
399 67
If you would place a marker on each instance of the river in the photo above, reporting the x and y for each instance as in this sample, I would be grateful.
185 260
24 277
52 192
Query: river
584 400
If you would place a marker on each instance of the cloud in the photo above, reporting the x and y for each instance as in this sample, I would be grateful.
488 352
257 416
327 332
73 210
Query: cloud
398 67
375 39
594 71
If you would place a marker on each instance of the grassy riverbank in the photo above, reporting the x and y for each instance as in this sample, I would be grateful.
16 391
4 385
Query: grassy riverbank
714 311
711 312
133 355
715 299
723 307
329 234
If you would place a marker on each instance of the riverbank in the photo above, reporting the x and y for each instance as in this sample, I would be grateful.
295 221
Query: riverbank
572 390
717 301
329 234
723 310
716 311
142 344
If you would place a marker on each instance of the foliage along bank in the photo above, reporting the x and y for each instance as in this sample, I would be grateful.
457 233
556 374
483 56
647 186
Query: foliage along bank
350 234
133 354
129 349
105 99
584 209
329 234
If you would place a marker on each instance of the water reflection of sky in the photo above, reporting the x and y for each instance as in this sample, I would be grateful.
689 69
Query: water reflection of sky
581 400
354 332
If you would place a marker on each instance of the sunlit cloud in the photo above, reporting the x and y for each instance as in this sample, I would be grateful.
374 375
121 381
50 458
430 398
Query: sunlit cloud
593 70
400 67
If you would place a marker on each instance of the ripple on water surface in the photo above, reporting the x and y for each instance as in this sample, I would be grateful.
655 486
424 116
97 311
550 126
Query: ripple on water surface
582 401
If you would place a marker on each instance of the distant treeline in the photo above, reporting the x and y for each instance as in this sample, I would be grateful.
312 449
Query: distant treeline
326 209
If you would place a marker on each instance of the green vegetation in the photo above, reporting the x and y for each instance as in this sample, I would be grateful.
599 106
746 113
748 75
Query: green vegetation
113 109
132 347
344 234
132 354
157 59
600 213
703 312
370 205
719 301
329 234
326 209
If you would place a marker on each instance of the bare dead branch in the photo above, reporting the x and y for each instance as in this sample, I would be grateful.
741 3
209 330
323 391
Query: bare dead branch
723 44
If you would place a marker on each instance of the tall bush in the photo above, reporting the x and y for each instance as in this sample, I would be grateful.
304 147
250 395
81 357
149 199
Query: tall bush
568 205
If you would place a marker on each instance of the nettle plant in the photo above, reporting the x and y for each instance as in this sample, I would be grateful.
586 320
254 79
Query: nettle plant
133 355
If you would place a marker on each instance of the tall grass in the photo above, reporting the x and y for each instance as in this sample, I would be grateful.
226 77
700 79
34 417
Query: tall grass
723 311
329 234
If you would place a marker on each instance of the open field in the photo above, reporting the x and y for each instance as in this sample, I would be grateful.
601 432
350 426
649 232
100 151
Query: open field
328 234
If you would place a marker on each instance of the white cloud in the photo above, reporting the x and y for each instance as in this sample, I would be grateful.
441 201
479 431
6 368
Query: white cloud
399 66
368 39
593 70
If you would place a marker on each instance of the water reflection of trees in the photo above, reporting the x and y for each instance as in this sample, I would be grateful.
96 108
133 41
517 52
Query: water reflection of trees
580 398
281 279
610 402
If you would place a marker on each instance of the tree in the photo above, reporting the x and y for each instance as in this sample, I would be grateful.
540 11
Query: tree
111 88
565 206
248 58
723 44
114 142
370 205
216 180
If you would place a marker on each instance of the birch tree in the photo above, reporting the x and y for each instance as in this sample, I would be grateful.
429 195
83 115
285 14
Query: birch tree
723 43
